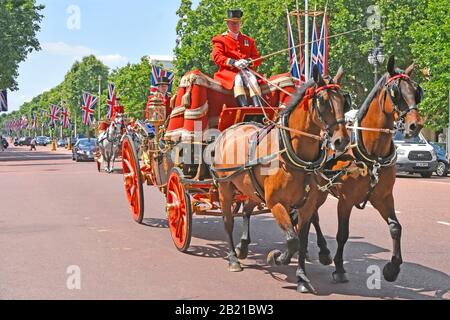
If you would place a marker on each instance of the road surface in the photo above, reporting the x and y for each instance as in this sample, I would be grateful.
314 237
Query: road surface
58 218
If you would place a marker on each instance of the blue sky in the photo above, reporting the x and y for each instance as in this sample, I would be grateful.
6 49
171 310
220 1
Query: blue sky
116 31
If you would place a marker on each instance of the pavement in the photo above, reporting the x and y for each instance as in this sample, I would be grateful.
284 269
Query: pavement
60 219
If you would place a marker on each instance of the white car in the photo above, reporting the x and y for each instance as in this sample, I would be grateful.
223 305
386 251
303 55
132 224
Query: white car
415 155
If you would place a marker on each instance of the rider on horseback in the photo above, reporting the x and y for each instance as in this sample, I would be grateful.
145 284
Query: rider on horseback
233 52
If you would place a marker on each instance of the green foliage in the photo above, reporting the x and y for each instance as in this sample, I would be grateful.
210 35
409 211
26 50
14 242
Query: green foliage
132 83
412 30
431 50
19 23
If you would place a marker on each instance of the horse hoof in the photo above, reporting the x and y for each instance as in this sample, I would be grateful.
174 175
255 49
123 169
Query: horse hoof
234 267
325 259
390 272
340 277
240 253
272 258
305 287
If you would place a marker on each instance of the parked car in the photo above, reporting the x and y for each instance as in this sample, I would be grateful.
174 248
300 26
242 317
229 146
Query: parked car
41 141
415 155
84 149
25 141
49 140
443 163
61 143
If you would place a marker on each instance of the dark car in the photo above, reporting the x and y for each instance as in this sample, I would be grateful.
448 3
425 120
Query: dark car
443 164
61 143
25 141
84 149
41 141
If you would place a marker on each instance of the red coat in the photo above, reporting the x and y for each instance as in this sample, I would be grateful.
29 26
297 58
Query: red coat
116 109
226 48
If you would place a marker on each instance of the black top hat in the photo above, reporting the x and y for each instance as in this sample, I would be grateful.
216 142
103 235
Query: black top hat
163 80
234 14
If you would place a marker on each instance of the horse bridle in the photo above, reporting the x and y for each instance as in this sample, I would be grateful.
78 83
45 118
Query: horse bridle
320 106
396 96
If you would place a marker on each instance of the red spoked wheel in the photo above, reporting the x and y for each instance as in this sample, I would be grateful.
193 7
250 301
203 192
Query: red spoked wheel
132 179
179 211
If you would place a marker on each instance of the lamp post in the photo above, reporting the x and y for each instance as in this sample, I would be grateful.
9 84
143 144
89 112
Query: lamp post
376 57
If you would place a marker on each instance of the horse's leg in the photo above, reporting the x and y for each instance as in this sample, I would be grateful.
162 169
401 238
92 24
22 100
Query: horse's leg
387 210
226 202
242 247
324 252
344 211
276 257
304 284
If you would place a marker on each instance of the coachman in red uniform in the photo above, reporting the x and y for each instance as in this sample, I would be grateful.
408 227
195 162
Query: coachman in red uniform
163 94
233 52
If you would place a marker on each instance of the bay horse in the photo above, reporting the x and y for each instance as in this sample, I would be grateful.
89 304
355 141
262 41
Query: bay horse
394 98
295 142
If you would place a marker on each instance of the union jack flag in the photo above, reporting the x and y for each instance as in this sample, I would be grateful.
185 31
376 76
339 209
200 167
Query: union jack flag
323 46
88 107
157 73
24 122
3 100
293 63
111 100
54 110
314 47
34 120
64 115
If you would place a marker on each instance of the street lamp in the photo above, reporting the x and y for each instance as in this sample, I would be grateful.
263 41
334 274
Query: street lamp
376 57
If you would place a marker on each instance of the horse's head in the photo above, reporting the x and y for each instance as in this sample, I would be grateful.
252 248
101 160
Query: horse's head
329 107
405 95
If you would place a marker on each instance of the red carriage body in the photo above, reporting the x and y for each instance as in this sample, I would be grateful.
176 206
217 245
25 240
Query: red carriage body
202 103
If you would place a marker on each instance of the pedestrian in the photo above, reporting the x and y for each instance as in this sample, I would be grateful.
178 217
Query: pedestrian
33 144
1 143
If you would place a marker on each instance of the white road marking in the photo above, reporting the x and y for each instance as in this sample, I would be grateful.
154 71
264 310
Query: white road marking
444 223
368 205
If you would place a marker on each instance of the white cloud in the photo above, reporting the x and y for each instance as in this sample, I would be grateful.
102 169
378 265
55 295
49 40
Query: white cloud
113 59
64 49
76 52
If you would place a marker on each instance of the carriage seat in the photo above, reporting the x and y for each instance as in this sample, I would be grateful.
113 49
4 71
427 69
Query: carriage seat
201 102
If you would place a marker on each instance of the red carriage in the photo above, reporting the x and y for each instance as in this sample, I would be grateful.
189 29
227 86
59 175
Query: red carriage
155 151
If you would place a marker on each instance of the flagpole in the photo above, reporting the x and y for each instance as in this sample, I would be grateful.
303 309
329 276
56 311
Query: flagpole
99 94
299 28
306 40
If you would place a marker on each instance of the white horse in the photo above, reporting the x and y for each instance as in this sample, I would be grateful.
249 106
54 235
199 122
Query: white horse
108 143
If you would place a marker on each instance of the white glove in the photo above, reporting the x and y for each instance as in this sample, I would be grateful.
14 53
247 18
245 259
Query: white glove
242 64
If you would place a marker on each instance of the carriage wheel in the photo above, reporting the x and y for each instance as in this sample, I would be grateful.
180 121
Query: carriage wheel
179 211
132 179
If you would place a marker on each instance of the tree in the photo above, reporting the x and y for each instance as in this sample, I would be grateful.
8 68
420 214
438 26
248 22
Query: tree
132 83
266 22
83 77
19 23
431 51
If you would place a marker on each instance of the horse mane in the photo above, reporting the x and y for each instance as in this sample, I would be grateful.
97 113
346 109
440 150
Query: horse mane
297 97
366 104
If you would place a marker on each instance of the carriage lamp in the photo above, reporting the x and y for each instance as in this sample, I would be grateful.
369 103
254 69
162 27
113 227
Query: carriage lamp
376 57
156 111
